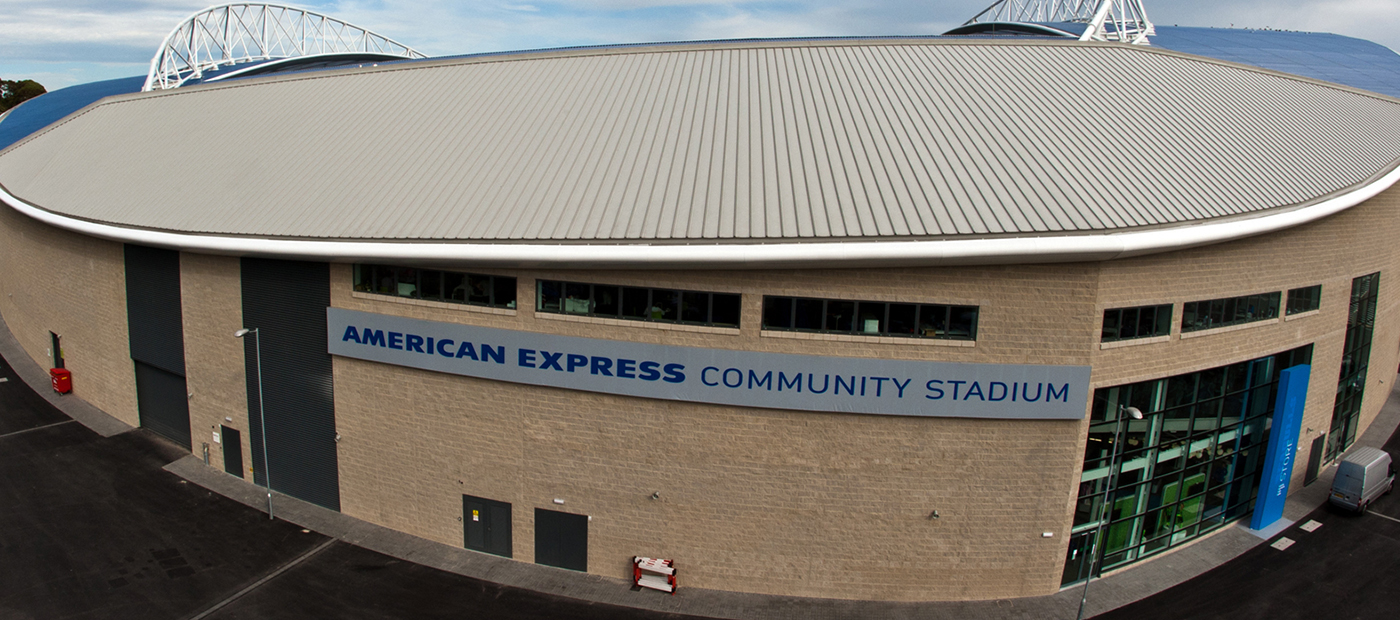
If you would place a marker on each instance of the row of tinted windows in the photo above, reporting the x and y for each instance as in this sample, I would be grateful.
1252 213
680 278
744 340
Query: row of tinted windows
434 285
1149 321
637 303
676 306
797 313
1213 313
872 318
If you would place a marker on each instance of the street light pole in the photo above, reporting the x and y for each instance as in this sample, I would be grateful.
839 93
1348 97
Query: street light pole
262 414
1136 414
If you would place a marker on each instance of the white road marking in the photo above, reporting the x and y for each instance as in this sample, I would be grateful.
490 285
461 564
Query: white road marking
1310 527
1282 543
1377 514
29 430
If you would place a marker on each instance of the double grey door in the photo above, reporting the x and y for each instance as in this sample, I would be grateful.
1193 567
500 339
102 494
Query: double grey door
487 525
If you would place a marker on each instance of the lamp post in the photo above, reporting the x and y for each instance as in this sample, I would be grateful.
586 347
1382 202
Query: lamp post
262 415
1136 414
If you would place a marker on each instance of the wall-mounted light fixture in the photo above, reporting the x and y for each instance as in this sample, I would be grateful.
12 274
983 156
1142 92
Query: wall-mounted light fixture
933 515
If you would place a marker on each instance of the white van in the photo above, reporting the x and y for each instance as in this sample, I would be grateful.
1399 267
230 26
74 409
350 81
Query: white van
1362 476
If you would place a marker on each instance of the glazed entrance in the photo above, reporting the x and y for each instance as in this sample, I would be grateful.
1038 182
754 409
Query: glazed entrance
1191 465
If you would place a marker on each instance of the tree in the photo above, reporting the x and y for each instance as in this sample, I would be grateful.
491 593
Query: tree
15 92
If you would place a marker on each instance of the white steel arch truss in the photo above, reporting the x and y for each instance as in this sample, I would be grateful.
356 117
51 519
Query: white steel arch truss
234 33
1107 20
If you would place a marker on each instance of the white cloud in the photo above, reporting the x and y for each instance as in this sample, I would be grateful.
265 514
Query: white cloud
118 36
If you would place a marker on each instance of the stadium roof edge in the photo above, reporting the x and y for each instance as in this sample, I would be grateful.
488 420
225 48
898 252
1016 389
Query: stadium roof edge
1006 250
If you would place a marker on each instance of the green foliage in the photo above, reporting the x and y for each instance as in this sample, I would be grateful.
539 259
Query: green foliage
15 92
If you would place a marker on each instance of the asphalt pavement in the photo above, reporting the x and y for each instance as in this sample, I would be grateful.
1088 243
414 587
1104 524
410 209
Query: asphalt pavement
1347 567
95 527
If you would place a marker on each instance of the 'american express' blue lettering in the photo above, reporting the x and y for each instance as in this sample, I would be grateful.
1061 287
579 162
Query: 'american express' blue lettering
721 377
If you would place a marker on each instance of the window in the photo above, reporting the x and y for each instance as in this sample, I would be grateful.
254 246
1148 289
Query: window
1304 299
637 304
1190 466
1356 360
433 285
1209 314
870 318
1140 322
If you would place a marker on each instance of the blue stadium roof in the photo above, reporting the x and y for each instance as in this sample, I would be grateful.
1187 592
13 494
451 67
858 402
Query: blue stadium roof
44 110
1329 57
48 108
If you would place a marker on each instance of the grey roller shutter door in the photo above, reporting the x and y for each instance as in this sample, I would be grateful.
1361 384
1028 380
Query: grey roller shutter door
161 398
286 302
153 308
157 339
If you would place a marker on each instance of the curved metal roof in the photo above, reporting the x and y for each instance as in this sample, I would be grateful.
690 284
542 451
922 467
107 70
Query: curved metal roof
746 142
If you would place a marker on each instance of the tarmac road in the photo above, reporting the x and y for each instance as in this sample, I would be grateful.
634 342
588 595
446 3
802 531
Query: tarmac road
92 527
1348 568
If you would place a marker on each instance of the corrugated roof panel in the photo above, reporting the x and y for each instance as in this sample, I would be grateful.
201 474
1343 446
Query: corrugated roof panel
745 141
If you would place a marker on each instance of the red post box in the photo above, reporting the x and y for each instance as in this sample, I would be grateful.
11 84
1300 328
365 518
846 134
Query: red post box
62 380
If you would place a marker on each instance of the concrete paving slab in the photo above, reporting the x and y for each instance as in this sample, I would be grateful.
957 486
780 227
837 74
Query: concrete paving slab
1276 528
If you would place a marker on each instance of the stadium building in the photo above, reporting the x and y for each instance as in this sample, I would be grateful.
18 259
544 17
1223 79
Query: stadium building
862 318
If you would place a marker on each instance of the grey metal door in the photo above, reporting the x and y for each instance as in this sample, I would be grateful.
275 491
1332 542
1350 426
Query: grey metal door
1319 446
232 441
487 526
561 539
163 403
157 340
286 302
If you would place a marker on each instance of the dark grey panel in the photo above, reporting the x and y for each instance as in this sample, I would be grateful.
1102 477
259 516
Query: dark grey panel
561 539
286 302
486 526
163 403
153 308
232 441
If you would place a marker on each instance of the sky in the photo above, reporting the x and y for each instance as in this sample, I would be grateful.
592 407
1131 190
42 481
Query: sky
64 42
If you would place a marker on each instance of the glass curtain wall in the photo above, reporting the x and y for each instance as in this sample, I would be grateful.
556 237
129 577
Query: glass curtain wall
1356 358
1191 465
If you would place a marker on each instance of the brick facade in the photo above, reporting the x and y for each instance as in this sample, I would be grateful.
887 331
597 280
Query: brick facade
212 309
760 500
74 286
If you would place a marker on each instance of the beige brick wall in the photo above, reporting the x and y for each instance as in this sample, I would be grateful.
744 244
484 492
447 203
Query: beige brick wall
74 286
212 309
838 503
829 504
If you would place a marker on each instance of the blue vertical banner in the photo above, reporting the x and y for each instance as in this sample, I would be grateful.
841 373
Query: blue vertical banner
1283 446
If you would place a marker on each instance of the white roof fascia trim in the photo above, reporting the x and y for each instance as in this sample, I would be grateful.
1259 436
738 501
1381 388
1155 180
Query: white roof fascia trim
1059 249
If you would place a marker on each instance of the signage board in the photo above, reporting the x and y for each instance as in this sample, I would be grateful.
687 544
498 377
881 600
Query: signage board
719 376
1283 446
